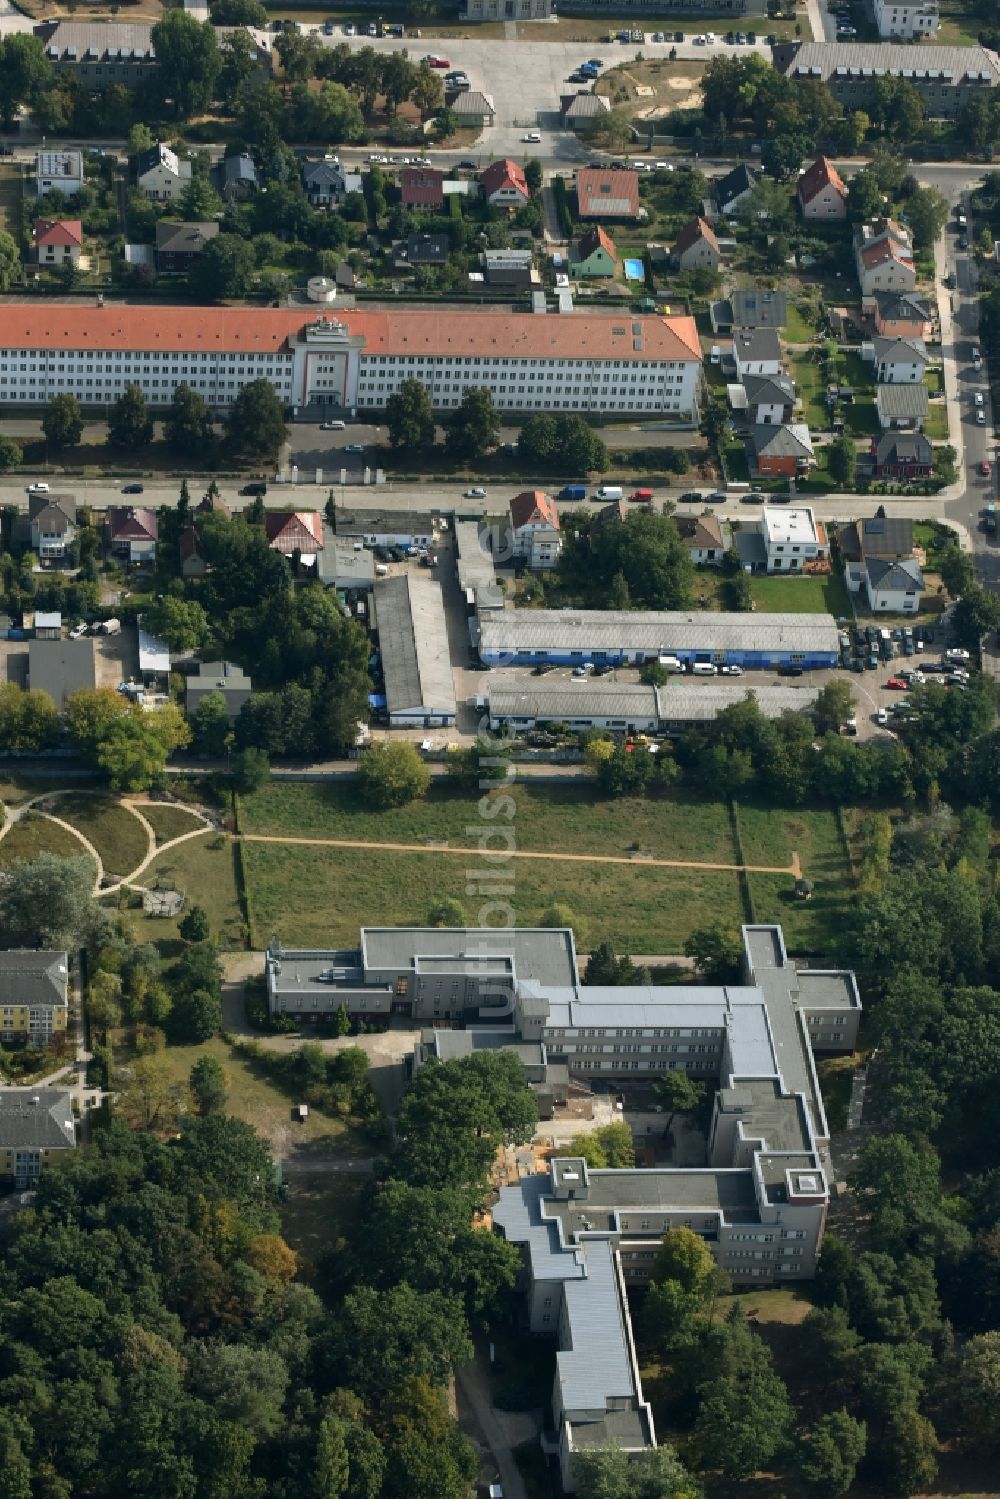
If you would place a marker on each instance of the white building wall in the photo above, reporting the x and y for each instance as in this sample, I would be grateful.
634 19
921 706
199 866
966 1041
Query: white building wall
906 22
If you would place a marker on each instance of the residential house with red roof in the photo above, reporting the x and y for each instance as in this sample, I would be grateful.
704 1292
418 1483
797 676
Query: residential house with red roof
883 254
504 184
534 524
290 531
421 187
607 193
821 191
58 240
594 254
131 532
696 247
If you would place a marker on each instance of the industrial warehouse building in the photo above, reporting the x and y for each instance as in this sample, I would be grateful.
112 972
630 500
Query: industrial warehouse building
571 637
633 709
759 1202
413 641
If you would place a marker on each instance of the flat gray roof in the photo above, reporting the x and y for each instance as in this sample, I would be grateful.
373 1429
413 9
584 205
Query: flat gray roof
61 667
699 702
542 953
639 630
383 522
726 1191
339 561
413 640
562 700
474 561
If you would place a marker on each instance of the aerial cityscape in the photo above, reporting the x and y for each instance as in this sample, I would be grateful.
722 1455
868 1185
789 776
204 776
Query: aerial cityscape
499 749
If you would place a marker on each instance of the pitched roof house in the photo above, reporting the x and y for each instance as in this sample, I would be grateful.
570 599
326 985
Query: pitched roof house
160 174
758 307
696 247
878 557
193 564
34 989
51 525
899 360
57 240
324 181
781 451
579 109
902 406
902 455
607 193
899 314
296 530
421 249
35 1124
757 351
132 532
770 399
503 183
239 177
821 191
421 187
883 255
702 535
534 521
594 254
730 191
178 245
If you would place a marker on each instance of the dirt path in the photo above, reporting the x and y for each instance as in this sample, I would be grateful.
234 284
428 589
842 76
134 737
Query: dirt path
524 853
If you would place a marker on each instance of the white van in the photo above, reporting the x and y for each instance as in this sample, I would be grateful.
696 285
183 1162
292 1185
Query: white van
703 669
610 492
671 663
381 571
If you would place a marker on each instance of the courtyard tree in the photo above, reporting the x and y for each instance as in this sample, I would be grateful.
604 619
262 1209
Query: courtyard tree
187 61
679 1093
474 428
410 417
834 705
62 421
225 268
256 424
187 425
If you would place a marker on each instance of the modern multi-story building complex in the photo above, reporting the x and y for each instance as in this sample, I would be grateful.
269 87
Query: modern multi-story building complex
531 362
33 996
35 1125
946 78
760 1198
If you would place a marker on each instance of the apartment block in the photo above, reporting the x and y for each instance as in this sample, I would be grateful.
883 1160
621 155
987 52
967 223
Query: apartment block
33 996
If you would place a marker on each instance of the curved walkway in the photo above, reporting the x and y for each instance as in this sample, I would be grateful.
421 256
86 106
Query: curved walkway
37 805
642 862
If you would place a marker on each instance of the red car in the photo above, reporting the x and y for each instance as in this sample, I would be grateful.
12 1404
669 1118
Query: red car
985 469
441 62
897 684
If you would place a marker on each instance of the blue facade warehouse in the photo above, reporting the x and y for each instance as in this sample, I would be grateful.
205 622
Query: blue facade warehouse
571 637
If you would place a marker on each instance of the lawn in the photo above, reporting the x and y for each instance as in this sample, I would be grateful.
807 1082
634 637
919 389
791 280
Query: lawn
119 838
807 373
560 818
35 834
645 909
253 1096
802 595
206 873
958 27
10 199
769 836
735 458
799 329
170 822
861 419
936 422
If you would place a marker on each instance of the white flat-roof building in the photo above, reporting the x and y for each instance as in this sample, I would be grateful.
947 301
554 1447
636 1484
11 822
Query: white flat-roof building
792 538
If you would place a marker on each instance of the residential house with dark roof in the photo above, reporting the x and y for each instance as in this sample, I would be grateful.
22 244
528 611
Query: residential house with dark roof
899 361
902 407
902 455
510 268
758 307
473 109
534 523
607 193
59 172
578 110
781 452
178 245
702 535
504 184
421 249
218 676
324 181
696 247
58 240
36 1127
34 995
770 399
821 192
51 526
899 314
421 187
757 351
160 174
734 188
131 533
593 255
879 559
238 177
294 531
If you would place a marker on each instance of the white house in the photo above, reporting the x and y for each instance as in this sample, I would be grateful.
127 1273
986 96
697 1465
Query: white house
821 192
893 587
770 399
161 175
878 560
757 351
59 172
702 535
883 255
907 20
534 523
792 538
899 361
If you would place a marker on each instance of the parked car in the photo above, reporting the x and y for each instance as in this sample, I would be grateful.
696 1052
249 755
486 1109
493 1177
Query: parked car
896 684
133 488
730 671
256 486
354 447
38 487
790 671
957 653
334 426
531 139
693 497
475 493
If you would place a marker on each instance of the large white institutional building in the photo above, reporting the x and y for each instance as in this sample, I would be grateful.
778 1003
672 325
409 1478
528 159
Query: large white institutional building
618 363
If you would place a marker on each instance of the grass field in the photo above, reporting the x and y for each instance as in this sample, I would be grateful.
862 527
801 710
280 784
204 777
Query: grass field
803 595
10 199
958 27
769 835
35 835
808 375
170 822
936 423
207 876
336 891
563 819
119 838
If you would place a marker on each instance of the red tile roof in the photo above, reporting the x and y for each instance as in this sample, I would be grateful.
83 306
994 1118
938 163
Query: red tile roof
694 230
59 232
598 187
596 239
883 250
821 174
301 529
534 507
504 173
131 523
54 325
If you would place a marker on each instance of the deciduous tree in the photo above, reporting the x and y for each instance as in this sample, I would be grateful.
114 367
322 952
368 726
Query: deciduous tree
391 774
130 424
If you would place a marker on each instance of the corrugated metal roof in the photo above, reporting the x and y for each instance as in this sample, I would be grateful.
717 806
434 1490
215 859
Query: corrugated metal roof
639 630
413 639
690 702
565 700
597 1367
902 400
